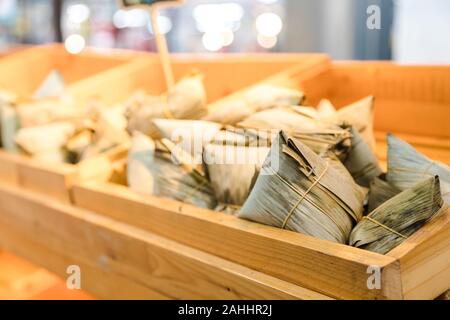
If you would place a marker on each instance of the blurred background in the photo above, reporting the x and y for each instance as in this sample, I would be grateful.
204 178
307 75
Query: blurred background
412 31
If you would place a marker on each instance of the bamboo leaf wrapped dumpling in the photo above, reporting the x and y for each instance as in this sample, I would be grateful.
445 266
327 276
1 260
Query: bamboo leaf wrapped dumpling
285 118
298 190
47 111
325 109
9 124
189 135
398 218
361 162
380 191
407 167
234 160
155 170
186 100
360 115
258 98
46 142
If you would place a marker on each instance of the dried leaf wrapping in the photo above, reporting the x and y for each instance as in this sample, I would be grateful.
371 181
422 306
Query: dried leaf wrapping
186 100
380 191
407 167
361 162
255 99
398 218
298 190
285 118
151 170
360 115
233 164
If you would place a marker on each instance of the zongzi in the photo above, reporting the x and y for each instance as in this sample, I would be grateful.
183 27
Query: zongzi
46 142
361 161
380 191
407 167
234 161
9 124
298 190
255 99
360 115
326 109
285 118
189 135
153 168
398 218
53 86
186 100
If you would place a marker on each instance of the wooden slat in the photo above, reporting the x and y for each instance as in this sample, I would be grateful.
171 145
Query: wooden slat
425 259
333 269
36 63
8 167
117 259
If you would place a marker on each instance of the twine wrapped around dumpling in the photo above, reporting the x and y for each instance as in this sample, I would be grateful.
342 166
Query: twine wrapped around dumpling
186 100
407 167
258 98
234 161
326 142
380 191
298 190
152 170
398 218
361 162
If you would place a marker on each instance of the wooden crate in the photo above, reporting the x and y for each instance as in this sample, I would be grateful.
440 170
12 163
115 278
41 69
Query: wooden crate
222 76
119 261
419 268
22 72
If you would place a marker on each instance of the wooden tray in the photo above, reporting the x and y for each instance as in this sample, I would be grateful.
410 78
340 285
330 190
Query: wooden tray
222 76
119 261
417 269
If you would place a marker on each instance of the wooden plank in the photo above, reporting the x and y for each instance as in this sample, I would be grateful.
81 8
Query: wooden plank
8 168
124 257
37 62
425 259
330 268
46 179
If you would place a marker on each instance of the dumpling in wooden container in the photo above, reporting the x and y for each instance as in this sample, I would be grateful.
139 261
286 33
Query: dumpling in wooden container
361 162
189 135
48 111
407 167
186 100
300 191
234 161
398 218
360 115
154 169
286 118
46 142
9 122
380 191
261 97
